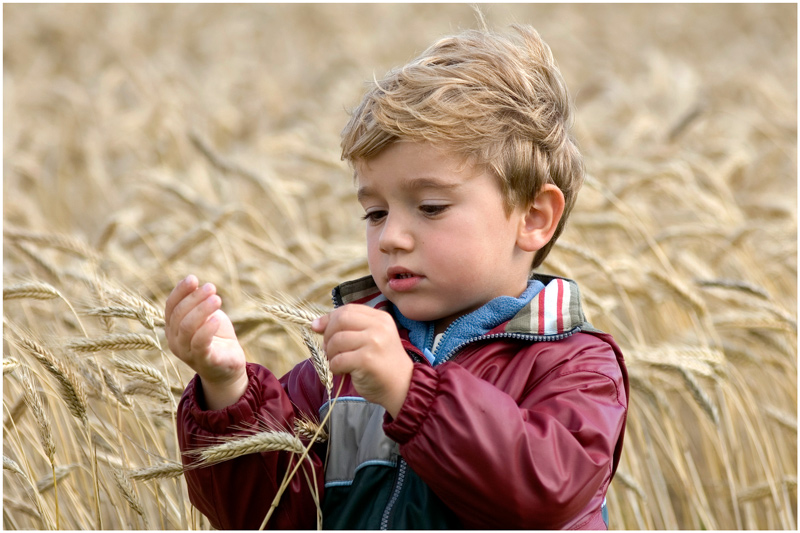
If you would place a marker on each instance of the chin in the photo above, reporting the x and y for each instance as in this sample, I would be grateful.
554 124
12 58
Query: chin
418 313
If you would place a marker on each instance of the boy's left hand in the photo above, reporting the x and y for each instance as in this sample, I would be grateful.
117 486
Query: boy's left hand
363 342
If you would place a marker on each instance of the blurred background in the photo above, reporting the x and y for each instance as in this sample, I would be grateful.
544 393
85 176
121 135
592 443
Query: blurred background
145 142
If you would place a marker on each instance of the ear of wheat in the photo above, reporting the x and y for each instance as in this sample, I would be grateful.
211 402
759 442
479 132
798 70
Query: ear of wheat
38 290
140 371
114 386
124 486
12 466
141 313
287 313
319 360
123 341
45 483
265 441
72 389
61 242
306 429
160 471
35 403
9 365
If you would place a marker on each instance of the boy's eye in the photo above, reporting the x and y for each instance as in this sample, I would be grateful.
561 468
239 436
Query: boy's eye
373 217
432 210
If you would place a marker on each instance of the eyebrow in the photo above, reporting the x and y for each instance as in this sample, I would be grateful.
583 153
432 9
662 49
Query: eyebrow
414 184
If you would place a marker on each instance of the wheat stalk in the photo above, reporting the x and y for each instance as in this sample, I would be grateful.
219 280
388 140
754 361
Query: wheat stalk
734 285
680 290
72 390
124 486
160 471
763 490
750 321
34 401
785 419
114 386
142 314
288 313
704 361
306 429
140 371
37 290
700 395
146 388
38 259
128 299
14 413
319 360
46 483
9 365
245 322
12 466
265 441
123 341
21 506
61 242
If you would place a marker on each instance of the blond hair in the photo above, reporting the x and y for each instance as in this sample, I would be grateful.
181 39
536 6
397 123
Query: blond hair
498 102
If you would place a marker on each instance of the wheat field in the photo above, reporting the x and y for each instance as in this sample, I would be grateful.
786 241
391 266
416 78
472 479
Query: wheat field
145 142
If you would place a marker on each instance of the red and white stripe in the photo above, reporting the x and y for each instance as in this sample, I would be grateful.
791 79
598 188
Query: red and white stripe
553 316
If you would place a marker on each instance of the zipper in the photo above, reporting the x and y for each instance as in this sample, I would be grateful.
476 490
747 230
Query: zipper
517 336
402 466
398 485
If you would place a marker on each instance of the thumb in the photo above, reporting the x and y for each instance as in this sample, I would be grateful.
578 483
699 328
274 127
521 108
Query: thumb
320 323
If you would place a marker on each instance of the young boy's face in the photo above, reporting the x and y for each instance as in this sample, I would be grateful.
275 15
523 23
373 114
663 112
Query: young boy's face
439 241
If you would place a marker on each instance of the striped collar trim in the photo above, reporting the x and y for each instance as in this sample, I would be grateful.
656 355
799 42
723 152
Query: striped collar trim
555 310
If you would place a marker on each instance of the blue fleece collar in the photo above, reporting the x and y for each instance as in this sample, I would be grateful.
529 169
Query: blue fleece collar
474 324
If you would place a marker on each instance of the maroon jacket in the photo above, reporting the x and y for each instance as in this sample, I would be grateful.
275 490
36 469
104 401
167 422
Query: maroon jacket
521 428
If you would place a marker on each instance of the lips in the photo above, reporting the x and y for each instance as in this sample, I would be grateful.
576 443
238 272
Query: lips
402 279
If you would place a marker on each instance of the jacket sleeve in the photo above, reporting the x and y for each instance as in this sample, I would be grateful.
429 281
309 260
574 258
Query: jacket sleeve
237 494
535 461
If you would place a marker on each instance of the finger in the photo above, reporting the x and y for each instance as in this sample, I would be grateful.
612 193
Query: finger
181 290
320 323
196 317
201 340
342 342
345 363
189 302
347 318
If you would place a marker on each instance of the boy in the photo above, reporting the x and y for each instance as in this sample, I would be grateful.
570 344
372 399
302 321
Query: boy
474 396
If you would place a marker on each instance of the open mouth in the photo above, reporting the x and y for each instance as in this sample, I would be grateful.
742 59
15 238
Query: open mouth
403 276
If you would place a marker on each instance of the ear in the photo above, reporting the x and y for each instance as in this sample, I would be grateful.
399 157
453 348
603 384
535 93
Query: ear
540 220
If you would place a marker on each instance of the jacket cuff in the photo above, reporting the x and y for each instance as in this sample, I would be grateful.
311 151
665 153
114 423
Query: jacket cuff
219 421
417 405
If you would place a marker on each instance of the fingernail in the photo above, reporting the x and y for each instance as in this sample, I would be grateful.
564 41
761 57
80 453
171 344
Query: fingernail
315 323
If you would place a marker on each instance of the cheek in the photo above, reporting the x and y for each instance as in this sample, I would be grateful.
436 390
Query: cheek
373 251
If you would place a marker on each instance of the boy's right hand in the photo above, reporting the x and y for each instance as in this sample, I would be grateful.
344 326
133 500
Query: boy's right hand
201 335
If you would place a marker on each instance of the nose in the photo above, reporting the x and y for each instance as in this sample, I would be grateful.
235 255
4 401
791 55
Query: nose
395 235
